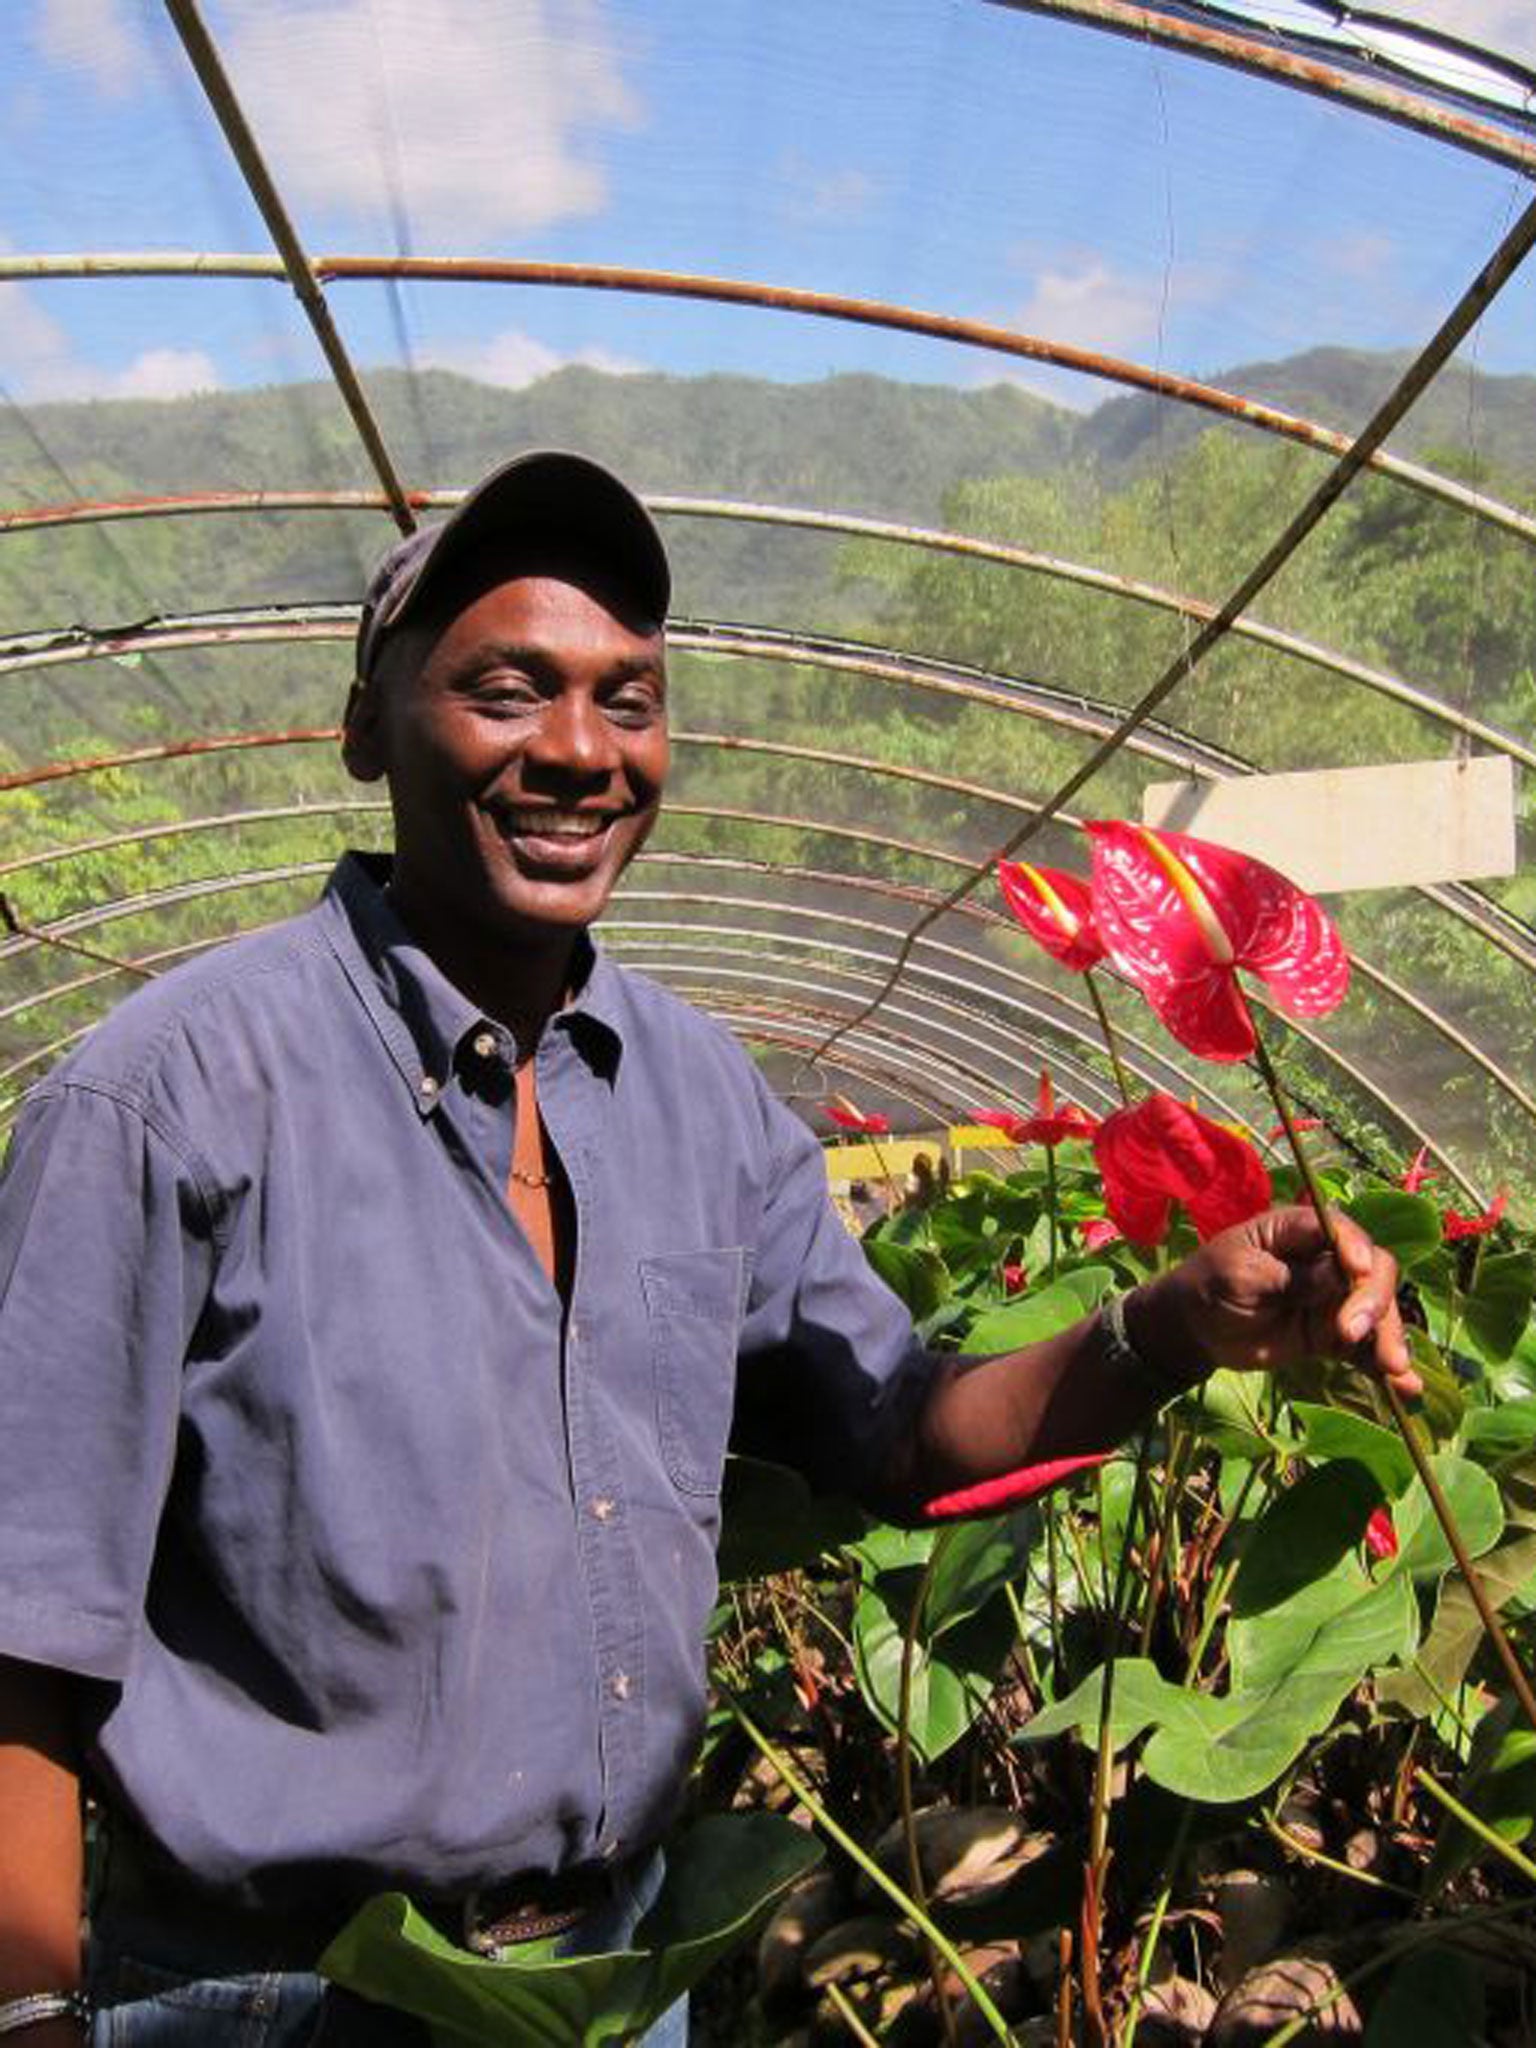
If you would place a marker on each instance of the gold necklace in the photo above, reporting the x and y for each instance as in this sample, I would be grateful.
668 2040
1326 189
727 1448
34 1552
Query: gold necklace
525 1179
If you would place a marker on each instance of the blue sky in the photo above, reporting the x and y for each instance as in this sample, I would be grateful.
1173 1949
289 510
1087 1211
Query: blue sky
951 154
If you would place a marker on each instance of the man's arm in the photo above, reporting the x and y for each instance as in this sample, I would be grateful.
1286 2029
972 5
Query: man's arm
40 1844
1265 1294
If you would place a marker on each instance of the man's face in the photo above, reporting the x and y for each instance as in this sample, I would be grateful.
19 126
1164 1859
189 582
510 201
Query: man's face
525 756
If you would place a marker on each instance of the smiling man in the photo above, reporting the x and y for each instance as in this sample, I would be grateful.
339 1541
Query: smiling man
380 1293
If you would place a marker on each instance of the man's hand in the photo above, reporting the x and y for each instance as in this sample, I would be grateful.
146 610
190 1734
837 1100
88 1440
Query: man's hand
1269 1293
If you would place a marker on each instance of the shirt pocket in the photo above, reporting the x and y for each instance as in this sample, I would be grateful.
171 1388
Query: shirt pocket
694 1303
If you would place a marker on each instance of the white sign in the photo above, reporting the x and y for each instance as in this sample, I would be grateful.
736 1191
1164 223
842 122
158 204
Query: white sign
1394 826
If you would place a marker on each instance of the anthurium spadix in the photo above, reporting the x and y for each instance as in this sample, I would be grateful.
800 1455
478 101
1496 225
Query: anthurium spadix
1054 908
1179 917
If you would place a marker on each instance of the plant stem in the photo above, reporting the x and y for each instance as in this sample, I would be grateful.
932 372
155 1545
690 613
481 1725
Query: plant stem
1478 1827
1097 1872
1148 1955
1111 1043
1050 1205
774 1757
846 2012
1308 1854
904 1775
890 1183
1064 1988
1415 1449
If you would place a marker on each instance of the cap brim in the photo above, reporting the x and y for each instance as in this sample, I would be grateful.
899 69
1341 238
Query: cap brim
549 502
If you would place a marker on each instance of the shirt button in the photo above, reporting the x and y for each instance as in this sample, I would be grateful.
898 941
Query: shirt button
428 1088
603 1508
484 1045
618 1685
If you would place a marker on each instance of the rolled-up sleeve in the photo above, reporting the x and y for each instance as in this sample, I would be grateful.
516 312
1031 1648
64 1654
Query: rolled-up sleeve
831 1372
105 1257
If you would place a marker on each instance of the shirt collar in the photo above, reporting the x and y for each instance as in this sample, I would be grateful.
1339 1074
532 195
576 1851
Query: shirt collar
422 1019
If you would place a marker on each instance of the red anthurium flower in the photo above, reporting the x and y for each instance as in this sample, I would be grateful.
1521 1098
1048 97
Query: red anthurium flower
1056 909
1015 1278
1009 1491
1301 1123
1161 1151
1380 1535
848 1118
1179 916
1099 1231
1048 1126
1455 1226
1416 1174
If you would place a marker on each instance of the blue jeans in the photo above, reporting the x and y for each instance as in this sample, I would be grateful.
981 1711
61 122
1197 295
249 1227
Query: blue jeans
152 1993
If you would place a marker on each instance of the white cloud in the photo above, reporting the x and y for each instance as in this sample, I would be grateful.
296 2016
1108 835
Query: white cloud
514 359
166 373
1086 302
1365 256
483 122
808 193
38 361
96 37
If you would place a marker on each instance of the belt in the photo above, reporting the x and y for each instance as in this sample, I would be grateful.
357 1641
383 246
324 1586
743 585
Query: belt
142 1890
526 1909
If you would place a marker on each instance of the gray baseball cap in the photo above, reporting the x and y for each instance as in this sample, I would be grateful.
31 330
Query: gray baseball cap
546 500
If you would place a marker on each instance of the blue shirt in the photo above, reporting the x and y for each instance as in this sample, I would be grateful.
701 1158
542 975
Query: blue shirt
398 1574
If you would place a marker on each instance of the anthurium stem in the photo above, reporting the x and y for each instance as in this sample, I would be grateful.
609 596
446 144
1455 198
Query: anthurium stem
890 1179
844 2007
1111 1043
1416 1451
1479 1827
1504 1649
1098 1819
1050 1205
776 1760
909 1638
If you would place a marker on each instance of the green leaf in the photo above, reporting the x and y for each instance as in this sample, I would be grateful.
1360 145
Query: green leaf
1338 1625
1211 1750
1291 1669
1337 1433
1493 1435
1090 1284
952 1676
1476 1509
977 1560
772 1522
1435 2000
1226 1411
1406 1225
1495 1313
1457 1629
724 1877
1303 1534
1442 1403
885 1548
916 1275
1499 1786
1239 1746
1028 1320
1142 1699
